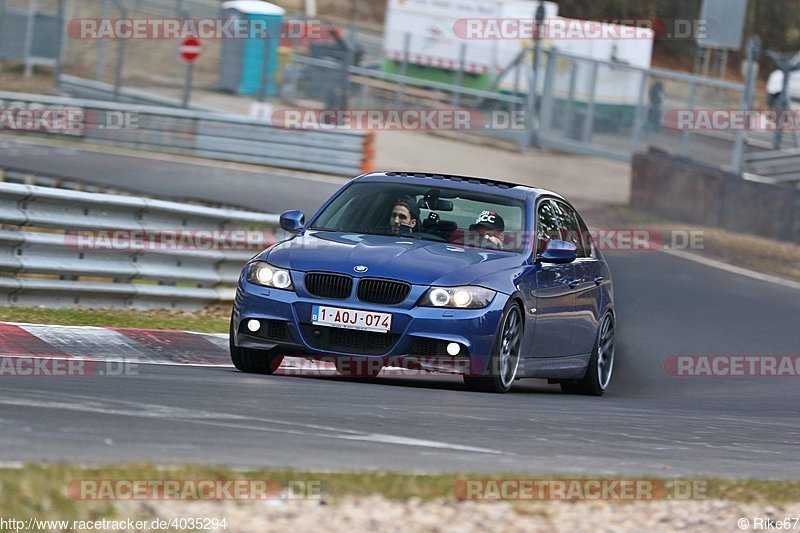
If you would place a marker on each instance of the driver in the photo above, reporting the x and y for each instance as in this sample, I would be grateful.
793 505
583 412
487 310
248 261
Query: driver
405 216
490 227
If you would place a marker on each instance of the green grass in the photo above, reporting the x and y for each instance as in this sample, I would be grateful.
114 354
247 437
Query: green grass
213 320
777 258
40 490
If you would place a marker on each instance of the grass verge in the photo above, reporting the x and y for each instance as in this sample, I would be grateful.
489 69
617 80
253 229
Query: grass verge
41 490
211 320
777 258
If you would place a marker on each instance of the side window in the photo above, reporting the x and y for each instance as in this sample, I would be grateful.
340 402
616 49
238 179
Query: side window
573 231
586 249
546 226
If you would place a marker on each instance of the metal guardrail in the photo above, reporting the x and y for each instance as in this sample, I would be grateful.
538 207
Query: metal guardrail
782 166
44 261
210 135
87 89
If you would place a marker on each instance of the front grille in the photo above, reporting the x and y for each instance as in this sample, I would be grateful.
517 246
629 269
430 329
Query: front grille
382 291
329 285
348 341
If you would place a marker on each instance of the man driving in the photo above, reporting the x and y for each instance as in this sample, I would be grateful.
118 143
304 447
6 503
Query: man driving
489 226
405 216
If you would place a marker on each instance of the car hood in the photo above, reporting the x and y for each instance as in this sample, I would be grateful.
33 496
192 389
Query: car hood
413 260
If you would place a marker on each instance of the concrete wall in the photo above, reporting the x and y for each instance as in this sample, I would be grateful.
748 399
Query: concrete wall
684 190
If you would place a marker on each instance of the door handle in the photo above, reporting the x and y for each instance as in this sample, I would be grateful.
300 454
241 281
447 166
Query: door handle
598 280
574 283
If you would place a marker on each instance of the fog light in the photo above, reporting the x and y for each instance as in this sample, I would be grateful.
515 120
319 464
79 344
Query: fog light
453 348
253 325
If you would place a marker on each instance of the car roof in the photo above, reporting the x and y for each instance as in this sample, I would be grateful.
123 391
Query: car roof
472 183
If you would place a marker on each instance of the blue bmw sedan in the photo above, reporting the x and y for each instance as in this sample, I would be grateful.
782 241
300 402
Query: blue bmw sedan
491 280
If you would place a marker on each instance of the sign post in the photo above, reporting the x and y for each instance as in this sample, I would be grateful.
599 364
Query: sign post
190 50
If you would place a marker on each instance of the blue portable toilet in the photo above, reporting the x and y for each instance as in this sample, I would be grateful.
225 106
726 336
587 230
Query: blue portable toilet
241 64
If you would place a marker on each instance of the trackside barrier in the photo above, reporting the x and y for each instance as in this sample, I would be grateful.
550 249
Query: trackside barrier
781 166
43 261
203 134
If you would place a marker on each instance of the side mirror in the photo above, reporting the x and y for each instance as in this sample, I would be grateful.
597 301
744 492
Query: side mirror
293 221
559 253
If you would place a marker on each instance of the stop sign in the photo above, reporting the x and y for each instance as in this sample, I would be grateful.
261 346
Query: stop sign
190 49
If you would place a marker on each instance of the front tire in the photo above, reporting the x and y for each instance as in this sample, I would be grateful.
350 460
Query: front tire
252 361
504 362
601 363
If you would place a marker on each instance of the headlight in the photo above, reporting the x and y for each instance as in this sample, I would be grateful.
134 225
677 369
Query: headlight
457 297
266 275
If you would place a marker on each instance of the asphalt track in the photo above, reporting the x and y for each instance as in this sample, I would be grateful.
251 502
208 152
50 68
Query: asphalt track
170 178
650 423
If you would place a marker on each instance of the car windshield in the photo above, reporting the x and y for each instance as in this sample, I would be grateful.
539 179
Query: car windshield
438 214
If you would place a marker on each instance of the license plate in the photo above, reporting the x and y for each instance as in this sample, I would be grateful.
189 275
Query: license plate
351 319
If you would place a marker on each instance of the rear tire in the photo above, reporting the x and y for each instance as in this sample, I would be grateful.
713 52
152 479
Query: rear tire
252 361
601 363
504 363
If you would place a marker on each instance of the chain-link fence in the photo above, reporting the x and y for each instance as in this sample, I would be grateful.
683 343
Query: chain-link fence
604 108
30 32
319 83
614 109
140 63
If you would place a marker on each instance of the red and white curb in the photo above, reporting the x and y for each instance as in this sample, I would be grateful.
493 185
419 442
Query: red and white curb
142 346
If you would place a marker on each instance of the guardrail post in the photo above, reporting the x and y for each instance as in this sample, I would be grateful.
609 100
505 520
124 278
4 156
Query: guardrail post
588 125
573 75
462 60
100 66
753 48
401 87
29 28
639 117
120 57
686 140
546 102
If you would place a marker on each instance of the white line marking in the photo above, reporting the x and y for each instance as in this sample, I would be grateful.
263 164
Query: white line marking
405 441
197 416
713 263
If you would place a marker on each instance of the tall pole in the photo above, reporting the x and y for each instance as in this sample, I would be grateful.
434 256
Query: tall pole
349 55
187 85
100 66
120 54
753 50
60 52
537 54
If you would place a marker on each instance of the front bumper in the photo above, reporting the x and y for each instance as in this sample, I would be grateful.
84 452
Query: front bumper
418 336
